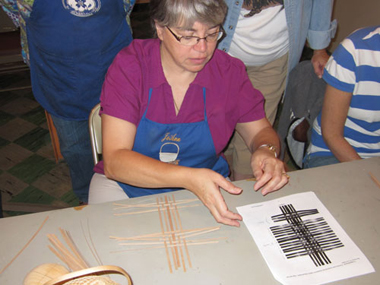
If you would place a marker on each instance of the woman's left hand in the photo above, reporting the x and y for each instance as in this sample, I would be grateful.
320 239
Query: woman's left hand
268 170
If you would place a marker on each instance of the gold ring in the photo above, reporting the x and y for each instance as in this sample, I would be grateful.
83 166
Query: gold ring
286 175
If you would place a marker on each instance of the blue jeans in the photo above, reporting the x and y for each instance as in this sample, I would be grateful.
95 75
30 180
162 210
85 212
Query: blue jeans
316 161
75 145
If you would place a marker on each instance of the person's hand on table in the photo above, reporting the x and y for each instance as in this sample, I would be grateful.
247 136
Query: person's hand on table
319 60
269 171
206 184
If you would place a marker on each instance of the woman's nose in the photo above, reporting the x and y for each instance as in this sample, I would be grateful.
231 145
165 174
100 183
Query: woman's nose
201 45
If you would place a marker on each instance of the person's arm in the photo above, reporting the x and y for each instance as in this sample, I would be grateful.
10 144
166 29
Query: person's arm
334 114
123 164
319 60
268 170
321 31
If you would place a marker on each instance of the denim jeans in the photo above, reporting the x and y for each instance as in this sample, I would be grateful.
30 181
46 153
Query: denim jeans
75 145
316 161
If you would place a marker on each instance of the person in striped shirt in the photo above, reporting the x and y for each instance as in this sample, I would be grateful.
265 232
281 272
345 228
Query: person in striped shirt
348 127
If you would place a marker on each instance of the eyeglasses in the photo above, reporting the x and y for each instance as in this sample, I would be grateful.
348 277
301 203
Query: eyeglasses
193 40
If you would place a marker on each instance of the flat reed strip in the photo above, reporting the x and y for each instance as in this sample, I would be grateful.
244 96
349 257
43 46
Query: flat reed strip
151 205
163 246
163 232
25 246
374 179
91 244
74 249
69 262
181 253
157 236
181 230
179 241
150 211
173 237
64 254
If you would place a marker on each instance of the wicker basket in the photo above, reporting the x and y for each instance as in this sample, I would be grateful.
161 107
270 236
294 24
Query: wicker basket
54 274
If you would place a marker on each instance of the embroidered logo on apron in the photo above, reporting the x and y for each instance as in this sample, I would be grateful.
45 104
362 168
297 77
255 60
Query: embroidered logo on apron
169 153
169 150
82 8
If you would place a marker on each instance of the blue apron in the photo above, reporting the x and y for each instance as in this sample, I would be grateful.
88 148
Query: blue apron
71 45
186 144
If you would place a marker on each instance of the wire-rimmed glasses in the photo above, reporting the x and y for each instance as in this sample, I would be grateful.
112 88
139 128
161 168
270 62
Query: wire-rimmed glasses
193 40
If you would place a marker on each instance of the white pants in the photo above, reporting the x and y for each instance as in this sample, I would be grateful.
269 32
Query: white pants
104 190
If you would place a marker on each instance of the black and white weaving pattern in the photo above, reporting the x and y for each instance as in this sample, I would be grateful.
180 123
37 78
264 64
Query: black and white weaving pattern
301 237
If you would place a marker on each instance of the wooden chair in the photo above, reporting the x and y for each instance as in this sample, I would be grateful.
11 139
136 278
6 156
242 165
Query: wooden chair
54 138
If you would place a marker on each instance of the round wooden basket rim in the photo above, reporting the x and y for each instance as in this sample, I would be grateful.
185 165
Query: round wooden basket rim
90 271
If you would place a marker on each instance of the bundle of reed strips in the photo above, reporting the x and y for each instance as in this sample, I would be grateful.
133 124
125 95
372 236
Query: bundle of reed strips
73 258
81 273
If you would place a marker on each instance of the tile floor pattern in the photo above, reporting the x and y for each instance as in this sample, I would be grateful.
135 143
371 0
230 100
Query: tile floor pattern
30 179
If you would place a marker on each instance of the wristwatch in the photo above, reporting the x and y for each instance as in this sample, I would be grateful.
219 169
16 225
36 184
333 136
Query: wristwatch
271 147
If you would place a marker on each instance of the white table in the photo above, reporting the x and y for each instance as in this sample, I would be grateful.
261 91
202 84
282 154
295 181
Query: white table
345 189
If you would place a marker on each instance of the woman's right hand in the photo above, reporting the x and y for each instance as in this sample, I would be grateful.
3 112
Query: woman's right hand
206 184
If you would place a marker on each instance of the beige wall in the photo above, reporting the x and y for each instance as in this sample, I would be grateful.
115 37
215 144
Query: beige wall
354 14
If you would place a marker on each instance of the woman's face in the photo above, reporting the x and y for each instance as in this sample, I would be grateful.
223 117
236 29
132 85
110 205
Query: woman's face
182 57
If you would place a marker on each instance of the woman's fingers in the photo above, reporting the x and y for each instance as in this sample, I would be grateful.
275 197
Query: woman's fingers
207 188
270 174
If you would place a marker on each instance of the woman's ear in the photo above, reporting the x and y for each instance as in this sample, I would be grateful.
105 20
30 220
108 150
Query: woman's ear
159 30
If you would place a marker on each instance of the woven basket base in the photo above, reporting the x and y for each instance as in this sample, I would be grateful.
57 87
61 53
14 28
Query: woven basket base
91 280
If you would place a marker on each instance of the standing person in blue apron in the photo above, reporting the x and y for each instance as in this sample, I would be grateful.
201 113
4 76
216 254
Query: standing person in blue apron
168 115
69 46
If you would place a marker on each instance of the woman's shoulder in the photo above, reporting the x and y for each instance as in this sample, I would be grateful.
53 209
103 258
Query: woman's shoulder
136 58
140 48
363 33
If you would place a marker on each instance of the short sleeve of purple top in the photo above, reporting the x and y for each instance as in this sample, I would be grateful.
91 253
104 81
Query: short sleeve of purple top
230 96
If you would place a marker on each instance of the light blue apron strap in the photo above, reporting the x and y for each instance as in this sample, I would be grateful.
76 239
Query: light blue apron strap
204 101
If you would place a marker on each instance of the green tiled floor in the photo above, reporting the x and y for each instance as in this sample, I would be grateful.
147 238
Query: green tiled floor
30 179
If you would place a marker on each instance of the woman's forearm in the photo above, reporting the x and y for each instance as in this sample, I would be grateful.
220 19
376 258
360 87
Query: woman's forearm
132 168
341 149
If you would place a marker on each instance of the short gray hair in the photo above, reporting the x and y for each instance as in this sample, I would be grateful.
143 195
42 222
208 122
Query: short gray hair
187 12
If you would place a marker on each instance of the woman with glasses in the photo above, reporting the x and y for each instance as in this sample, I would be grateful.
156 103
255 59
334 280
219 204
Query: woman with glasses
169 108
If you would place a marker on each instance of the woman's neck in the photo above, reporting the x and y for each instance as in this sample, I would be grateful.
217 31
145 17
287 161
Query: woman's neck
179 84
179 80
171 71
174 74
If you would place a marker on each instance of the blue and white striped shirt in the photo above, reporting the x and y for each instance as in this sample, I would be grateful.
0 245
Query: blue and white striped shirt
354 67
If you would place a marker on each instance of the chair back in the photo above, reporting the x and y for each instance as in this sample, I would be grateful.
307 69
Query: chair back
95 127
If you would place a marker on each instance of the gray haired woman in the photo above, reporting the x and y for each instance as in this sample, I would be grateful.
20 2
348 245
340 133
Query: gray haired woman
169 108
